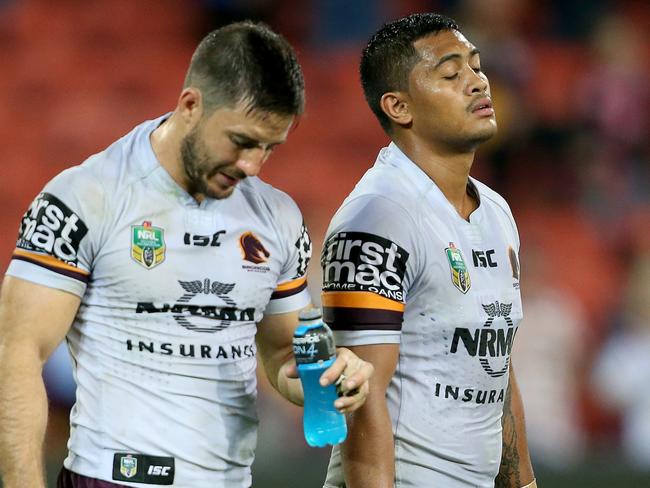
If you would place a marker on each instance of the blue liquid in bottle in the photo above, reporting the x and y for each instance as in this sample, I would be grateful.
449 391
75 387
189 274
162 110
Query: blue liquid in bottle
314 350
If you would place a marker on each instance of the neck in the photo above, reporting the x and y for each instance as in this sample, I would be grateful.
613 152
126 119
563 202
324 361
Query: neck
166 143
449 170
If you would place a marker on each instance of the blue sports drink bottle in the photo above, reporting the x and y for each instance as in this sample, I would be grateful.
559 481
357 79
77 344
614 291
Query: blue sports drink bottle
314 350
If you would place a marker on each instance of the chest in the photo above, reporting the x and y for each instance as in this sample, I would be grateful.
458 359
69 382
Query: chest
469 274
157 254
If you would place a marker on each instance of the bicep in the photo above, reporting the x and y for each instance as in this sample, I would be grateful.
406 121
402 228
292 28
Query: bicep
276 330
274 337
384 358
34 317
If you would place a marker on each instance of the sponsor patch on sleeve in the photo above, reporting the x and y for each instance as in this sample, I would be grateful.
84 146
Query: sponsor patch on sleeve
50 227
363 281
357 261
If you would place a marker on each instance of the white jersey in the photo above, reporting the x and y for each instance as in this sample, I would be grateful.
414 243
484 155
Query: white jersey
401 266
163 344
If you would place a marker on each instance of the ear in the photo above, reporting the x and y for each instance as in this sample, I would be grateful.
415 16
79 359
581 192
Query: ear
395 106
190 106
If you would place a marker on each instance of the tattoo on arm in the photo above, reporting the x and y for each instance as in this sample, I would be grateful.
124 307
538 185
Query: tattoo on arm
509 476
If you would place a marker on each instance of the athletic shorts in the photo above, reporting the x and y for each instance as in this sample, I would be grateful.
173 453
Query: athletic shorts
68 479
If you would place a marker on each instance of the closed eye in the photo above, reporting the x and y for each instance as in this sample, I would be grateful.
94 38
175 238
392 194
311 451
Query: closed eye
451 77
244 143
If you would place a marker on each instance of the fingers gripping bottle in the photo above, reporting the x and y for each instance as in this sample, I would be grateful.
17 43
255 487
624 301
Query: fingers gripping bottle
314 350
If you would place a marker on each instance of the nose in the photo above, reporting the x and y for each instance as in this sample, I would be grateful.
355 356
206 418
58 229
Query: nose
477 83
250 161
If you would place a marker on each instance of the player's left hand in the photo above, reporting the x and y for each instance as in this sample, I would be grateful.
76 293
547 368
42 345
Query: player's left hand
351 375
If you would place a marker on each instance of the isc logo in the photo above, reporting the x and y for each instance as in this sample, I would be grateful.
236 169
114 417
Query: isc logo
484 259
158 470
203 241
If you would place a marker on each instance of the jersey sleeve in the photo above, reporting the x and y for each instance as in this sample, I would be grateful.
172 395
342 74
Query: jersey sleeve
368 264
55 245
291 292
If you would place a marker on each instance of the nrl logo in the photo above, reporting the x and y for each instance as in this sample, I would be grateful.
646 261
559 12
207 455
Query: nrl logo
459 273
128 466
147 244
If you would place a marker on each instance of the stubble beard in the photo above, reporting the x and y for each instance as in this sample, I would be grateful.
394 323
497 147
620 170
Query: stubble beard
196 165
481 138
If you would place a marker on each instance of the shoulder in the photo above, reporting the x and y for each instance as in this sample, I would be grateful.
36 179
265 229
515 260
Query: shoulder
77 186
386 181
276 210
127 160
103 175
268 199
381 203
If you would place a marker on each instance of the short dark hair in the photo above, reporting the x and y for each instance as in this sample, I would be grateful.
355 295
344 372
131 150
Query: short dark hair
247 63
390 56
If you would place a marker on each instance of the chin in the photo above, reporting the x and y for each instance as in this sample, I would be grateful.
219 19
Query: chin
221 193
484 135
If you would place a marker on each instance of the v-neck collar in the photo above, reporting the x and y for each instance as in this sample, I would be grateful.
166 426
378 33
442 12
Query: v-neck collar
150 164
425 186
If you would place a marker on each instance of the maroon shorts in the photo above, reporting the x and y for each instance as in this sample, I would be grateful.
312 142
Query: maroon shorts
68 479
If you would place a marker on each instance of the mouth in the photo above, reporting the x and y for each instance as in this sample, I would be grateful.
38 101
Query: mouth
482 107
225 180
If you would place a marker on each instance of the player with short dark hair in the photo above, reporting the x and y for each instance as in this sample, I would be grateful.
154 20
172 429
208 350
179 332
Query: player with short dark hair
421 277
168 266
248 64
389 57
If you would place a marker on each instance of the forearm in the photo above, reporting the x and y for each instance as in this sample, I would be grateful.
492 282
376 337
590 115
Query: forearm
23 418
368 453
33 321
516 469
275 354
289 388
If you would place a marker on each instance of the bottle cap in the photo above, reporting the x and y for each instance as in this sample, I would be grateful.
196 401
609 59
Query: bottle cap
310 314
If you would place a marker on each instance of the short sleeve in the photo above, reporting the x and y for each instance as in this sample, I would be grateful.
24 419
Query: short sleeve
55 245
368 264
291 292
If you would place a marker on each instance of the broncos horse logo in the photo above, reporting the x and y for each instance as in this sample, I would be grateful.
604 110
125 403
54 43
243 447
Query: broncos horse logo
253 249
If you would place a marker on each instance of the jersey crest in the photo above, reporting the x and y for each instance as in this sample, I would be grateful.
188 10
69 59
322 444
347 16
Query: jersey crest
147 244
128 466
459 273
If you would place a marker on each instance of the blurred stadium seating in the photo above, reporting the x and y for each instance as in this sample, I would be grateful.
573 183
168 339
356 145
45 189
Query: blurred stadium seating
571 82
